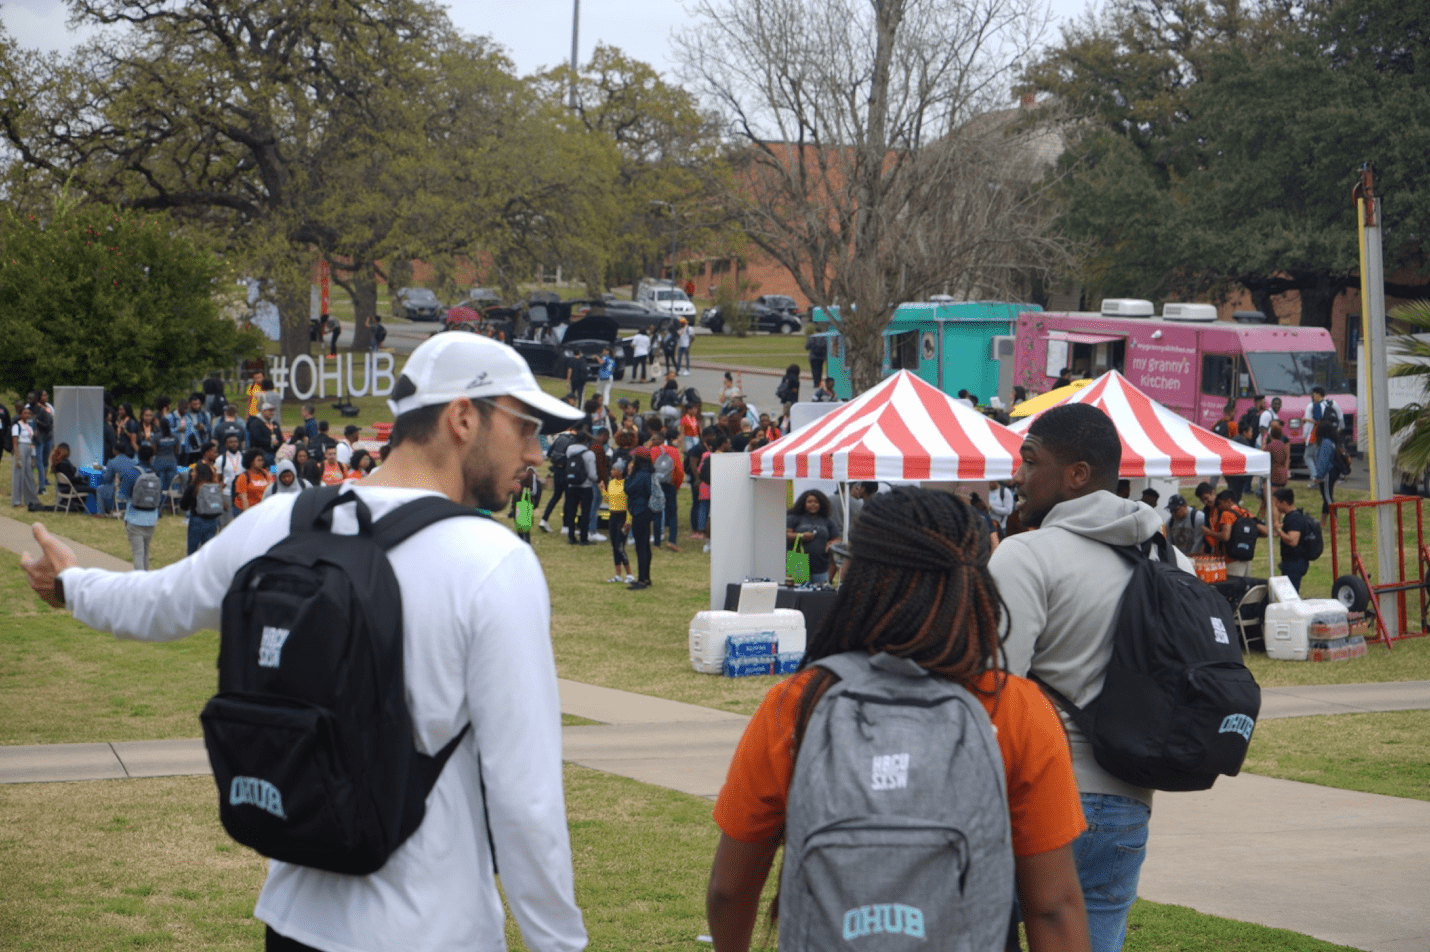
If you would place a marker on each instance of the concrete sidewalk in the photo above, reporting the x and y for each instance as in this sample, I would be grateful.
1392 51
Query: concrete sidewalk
16 537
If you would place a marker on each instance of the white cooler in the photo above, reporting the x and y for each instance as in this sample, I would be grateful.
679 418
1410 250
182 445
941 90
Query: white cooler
1288 626
708 631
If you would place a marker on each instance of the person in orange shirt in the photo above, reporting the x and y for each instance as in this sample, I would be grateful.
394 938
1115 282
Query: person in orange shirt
333 471
249 485
254 392
916 585
361 465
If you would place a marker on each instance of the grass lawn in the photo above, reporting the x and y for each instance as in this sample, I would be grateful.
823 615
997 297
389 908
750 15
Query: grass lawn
1386 753
119 864
771 351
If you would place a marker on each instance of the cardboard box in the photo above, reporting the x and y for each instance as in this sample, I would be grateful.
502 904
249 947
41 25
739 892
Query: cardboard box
1339 649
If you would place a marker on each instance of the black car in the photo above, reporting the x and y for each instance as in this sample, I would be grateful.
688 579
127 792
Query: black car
761 317
417 304
628 315
587 336
780 302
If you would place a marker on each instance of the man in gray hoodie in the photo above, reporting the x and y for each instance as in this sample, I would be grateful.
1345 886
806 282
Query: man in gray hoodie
1062 585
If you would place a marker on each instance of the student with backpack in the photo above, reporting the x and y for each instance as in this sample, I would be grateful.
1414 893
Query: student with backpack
641 488
456 628
556 453
581 479
903 716
1062 586
203 501
142 514
1300 535
1233 534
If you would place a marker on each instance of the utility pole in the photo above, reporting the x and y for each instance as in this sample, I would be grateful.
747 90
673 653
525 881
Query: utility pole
1372 294
575 59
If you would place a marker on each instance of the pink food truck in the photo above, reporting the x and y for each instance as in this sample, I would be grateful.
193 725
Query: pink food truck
1188 361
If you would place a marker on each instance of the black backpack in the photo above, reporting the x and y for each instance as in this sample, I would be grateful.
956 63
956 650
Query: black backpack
1248 426
379 333
309 737
1177 706
1312 543
576 469
1241 547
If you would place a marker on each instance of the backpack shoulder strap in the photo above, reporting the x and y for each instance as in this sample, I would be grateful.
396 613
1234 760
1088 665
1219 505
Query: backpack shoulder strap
313 505
410 518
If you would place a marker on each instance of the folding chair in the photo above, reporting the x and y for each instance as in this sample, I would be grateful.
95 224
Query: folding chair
1254 596
65 494
175 492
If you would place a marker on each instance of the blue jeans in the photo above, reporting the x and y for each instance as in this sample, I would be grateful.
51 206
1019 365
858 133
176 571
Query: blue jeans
1109 858
672 511
201 530
702 514
682 354
166 471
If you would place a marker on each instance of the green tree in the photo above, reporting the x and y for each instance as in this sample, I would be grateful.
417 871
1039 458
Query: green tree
1223 140
666 152
1413 349
254 119
96 295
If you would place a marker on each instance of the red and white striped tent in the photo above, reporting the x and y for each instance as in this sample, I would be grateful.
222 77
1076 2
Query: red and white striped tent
903 429
1156 442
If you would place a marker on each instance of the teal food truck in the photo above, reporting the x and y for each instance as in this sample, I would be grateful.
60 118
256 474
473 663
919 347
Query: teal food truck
954 346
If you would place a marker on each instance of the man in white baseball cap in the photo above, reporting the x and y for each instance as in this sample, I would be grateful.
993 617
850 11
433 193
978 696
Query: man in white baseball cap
477 650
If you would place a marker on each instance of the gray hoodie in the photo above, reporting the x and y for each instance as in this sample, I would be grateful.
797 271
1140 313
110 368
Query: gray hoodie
276 487
1062 585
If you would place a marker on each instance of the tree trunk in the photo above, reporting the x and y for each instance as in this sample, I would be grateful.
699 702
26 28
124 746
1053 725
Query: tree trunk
1317 301
293 295
361 287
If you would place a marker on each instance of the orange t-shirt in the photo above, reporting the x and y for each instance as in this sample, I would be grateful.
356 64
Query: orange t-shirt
250 488
334 473
1226 518
1043 801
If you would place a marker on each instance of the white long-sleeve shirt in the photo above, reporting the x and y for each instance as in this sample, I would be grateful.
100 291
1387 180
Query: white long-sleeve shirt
477 648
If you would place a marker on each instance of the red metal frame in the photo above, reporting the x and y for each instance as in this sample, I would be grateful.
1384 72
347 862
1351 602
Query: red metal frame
1398 589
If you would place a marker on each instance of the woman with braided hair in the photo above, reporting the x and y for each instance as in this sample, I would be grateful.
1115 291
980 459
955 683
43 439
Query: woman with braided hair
916 586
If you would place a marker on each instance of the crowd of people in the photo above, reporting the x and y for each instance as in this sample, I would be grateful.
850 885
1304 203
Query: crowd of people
239 448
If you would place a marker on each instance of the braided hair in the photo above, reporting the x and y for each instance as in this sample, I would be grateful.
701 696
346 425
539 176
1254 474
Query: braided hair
917 586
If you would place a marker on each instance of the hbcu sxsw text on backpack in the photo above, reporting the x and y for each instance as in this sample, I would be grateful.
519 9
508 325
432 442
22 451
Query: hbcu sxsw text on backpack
377 377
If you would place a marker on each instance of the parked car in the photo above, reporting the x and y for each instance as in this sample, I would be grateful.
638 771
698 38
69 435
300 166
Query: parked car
478 298
761 317
417 304
780 302
628 315
665 297
587 337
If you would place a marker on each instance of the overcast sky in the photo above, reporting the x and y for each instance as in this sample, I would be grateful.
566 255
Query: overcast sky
536 33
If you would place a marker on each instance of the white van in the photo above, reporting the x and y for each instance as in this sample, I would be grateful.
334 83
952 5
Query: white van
665 297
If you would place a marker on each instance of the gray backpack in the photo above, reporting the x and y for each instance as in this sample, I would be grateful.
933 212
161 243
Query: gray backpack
208 500
897 833
148 492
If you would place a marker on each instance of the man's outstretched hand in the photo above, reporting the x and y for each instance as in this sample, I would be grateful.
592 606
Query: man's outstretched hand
54 558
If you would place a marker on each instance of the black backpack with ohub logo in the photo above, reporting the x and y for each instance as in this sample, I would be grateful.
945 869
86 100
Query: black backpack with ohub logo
309 737
1177 706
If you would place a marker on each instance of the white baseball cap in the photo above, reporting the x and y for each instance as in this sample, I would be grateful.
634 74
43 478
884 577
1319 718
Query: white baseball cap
457 364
